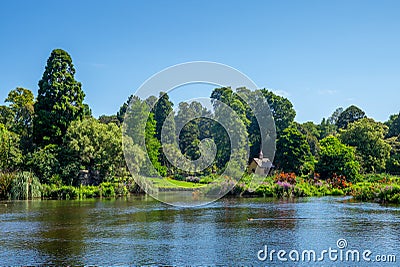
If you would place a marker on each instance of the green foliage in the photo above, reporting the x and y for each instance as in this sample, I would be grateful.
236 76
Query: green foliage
383 192
393 163
162 109
97 147
6 116
59 100
326 128
21 103
394 125
10 154
366 136
63 192
109 119
44 163
190 134
310 130
107 189
5 184
292 151
25 186
88 191
282 110
349 115
336 158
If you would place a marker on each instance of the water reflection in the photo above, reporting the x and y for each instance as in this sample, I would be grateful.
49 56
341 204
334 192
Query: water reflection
142 231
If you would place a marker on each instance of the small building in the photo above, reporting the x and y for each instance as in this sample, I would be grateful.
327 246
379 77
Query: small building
260 165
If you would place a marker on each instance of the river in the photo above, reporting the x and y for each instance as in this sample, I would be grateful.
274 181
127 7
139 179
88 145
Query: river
232 231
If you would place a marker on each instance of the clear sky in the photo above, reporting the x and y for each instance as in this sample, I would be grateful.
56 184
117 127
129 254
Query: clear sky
319 54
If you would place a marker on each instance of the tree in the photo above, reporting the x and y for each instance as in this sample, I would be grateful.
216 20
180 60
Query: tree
162 108
366 136
336 158
10 154
311 131
6 117
293 151
97 148
59 100
326 128
192 127
140 126
333 119
106 119
351 114
44 163
394 125
393 163
21 104
282 110
123 109
230 137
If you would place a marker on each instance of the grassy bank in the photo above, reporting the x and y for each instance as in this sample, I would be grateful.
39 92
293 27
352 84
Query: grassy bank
372 187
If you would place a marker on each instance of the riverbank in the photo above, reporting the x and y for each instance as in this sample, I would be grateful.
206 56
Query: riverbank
380 188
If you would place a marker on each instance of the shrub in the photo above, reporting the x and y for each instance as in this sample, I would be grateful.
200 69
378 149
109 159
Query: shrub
5 184
25 186
107 189
89 191
179 177
265 190
192 179
120 189
66 192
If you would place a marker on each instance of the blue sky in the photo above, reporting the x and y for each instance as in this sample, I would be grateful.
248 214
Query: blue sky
319 54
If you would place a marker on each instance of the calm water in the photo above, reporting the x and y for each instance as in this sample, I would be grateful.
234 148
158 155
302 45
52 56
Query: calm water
142 231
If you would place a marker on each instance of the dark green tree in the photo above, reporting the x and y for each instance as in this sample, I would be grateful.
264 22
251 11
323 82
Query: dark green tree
393 163
162 108
44 163
6 116
310 130
394 125
139 124
123 109
349 115
282 110
59 100
293 151
106 119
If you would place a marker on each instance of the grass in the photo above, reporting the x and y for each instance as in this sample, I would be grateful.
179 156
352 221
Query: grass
168 183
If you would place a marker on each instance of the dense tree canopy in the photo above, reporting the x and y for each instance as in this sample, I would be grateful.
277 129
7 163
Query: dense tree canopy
282 110
292 151
97 147
59 100
10 154
366 136
394 125
336 158
349 115
56 137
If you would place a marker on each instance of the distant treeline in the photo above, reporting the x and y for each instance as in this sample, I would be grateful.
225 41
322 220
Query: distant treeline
55 136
